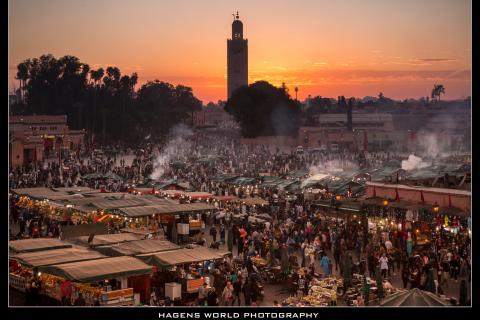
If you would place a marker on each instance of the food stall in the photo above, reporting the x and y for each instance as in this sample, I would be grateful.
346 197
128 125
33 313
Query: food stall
191 260
105 239
37 244
22 264
104 279
133 248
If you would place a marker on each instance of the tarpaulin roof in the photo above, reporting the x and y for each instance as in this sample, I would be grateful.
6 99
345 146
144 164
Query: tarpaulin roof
223 178
254 201
380 174
137 247
414 297
43 193
243 181
153 200
37 244
345 205
355 186
143 232
198 195
225 198
105 239
99 269
297 174
143 211
56 256
170 258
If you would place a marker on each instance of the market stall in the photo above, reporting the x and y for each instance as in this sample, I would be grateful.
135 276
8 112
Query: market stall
37 244
193 260
132 248
22 264
106 280
105 239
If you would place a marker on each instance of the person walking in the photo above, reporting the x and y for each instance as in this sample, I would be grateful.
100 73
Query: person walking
247 292
213 233
227 294
325 264
222 233
237 289
383 261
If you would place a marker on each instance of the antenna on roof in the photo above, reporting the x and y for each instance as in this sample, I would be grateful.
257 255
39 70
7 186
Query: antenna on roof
237 15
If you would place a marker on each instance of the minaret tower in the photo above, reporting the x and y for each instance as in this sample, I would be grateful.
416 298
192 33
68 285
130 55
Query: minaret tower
237 57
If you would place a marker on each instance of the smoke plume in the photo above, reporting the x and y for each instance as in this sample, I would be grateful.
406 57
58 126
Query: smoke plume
178 147
414 162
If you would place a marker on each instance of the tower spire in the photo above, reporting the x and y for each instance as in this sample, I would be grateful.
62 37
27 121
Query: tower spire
238 17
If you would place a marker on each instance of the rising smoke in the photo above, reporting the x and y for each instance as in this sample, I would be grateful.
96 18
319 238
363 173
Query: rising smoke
178 147
414 162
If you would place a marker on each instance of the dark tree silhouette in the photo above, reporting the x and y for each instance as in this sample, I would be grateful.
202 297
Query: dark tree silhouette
68 86
262 109
437 90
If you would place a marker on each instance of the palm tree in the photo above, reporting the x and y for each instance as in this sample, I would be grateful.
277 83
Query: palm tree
437 91
96 76
22 76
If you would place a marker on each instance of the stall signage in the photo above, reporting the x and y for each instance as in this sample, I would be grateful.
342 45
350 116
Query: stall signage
167 218
117 294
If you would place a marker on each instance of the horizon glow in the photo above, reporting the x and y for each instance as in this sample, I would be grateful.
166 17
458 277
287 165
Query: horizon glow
328 48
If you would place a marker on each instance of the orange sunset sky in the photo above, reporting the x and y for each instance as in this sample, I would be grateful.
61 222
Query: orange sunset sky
328 48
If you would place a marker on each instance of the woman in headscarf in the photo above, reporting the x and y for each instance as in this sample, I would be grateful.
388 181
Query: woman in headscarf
325 263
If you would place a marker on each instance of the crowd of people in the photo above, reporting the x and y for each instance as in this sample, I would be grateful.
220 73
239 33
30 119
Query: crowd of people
297 227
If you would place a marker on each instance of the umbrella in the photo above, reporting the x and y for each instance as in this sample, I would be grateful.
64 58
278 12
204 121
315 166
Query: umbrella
285 262
378 277
174 234
414 297
230 240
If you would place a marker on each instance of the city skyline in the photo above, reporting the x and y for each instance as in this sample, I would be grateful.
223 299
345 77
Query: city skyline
351 48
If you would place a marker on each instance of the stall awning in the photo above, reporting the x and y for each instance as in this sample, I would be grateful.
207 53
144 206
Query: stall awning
56 256
171 258
100 269
144 211
38 244
353 206
254 201
106 239
225 198
137 247
198 195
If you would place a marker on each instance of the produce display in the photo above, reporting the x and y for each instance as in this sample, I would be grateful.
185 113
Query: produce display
322 290
320 293
259 261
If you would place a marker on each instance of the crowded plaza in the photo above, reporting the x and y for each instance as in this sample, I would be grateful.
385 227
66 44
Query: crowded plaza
201 219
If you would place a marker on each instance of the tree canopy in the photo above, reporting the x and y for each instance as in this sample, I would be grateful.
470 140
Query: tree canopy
262 109
102 101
